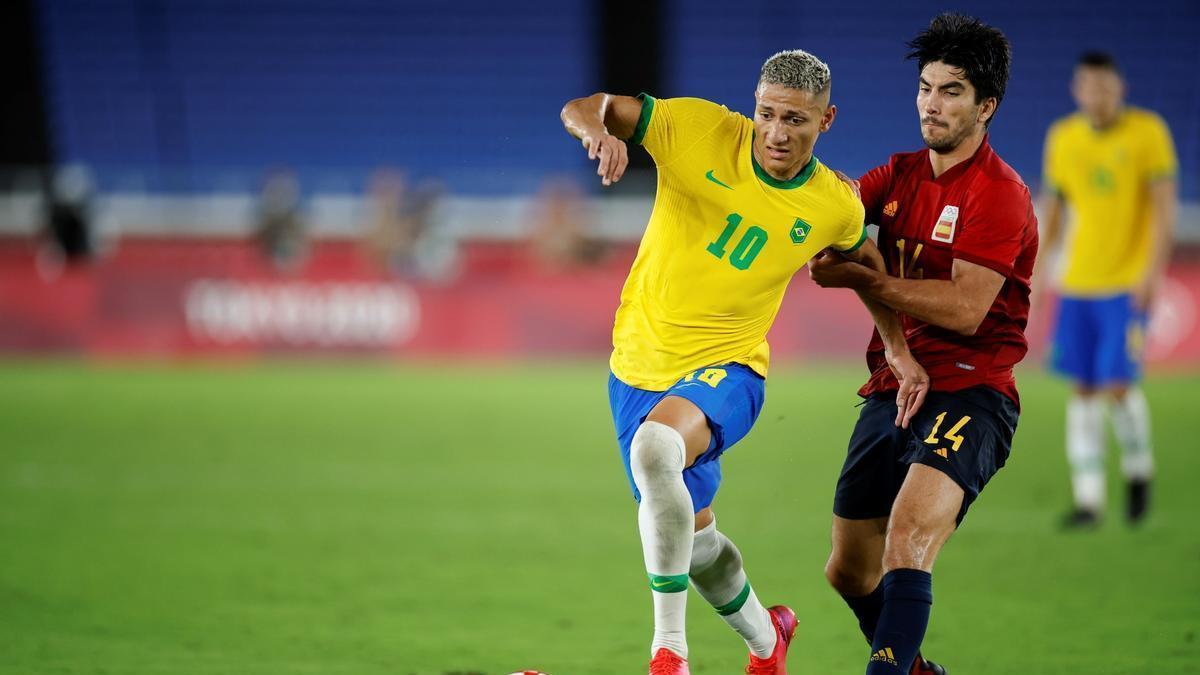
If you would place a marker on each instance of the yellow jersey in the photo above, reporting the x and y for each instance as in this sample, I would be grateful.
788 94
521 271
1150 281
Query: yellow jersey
1104 176
723 241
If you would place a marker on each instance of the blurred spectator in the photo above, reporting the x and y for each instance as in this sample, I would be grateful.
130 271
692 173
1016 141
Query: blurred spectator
399 234
73 230
69 213
281 231
559 232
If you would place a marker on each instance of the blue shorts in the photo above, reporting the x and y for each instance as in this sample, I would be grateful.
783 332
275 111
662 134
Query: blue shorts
730 395
1099 341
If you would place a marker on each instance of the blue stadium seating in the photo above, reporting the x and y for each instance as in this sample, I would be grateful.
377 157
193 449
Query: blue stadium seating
717 55
201 95
184 92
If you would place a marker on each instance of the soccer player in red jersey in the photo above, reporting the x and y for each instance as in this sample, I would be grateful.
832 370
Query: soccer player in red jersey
959 235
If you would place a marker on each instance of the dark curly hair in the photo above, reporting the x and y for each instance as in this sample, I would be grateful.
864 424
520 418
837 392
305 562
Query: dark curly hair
981 51
1098 59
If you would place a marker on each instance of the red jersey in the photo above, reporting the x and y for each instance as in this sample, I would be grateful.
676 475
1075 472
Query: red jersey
978 211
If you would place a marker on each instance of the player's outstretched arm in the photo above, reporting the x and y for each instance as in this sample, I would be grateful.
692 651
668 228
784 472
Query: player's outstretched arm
1051 209
602 122
914 381
959 304
1164 199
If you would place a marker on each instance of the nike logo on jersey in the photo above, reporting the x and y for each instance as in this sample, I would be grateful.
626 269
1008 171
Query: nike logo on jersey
713 178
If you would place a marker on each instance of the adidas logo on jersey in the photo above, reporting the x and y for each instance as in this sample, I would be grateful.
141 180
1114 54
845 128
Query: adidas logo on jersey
885 655
890 208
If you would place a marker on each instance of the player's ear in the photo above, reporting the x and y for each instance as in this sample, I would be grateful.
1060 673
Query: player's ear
987 109
827 118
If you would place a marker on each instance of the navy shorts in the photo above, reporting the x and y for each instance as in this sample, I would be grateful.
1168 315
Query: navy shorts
730 395
965 434
1099 341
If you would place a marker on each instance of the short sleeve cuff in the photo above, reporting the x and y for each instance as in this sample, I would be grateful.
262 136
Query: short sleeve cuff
643 123
1164 174
1005 269
862 237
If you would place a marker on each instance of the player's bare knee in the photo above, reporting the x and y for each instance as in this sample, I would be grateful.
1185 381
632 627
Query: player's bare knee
839 576
848 578
656 449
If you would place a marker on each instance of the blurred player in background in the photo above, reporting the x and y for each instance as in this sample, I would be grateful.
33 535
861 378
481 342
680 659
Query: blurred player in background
958 232
1115 166
741 206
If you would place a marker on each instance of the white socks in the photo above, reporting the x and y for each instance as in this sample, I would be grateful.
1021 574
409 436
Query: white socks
666 521
1131 423
1085 450
1086 443
672 553
718 576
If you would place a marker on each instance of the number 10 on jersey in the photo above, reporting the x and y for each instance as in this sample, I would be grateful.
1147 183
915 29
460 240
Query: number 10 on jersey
747 248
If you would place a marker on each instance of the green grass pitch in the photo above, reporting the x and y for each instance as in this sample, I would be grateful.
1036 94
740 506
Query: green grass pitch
377 518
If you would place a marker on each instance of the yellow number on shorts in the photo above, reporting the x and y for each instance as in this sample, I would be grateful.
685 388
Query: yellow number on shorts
952 434
1135 341
710 376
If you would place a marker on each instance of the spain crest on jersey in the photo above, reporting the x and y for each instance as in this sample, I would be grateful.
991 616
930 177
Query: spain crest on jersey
943 230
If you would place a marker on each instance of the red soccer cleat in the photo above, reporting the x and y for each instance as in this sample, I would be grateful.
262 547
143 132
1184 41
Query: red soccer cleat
667 662
784 620
922 667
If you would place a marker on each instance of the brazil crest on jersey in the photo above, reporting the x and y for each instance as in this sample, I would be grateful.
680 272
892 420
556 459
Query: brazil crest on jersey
722 243
1105 175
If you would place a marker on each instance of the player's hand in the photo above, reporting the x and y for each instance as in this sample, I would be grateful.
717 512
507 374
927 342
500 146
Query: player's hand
613 156
832 270
854 185
1145 292
914 386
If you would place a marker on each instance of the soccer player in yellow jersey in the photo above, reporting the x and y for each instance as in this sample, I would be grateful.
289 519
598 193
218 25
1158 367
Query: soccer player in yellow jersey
741 205
1114 166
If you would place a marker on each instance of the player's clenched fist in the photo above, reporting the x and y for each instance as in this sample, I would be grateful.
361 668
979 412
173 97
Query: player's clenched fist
830 270
613 156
